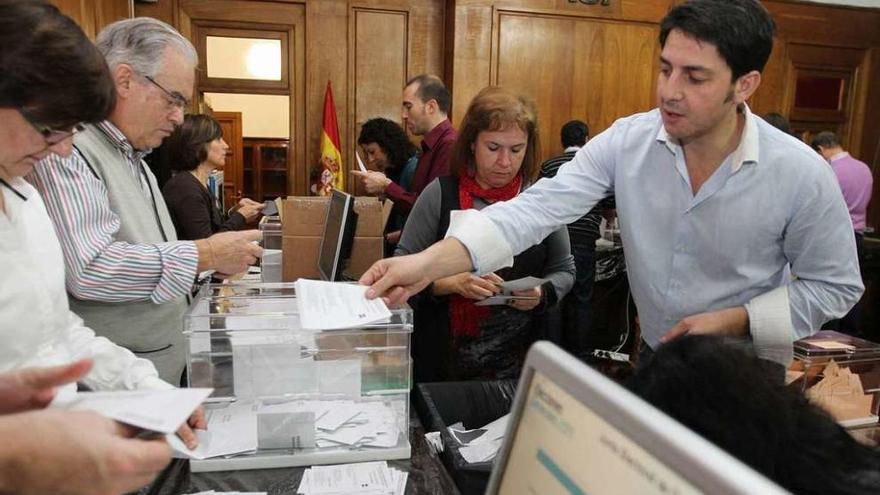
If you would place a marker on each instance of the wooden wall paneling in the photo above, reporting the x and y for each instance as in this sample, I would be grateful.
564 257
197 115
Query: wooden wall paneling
164 10
563 63
870 150
378 62
81 11
471 53
475 21
326 59
770 96
110 11
244 13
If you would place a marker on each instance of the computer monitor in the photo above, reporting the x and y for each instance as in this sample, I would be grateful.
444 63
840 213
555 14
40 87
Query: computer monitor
572 431
339 227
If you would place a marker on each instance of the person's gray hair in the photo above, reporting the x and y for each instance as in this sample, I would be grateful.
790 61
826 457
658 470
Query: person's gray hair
140 42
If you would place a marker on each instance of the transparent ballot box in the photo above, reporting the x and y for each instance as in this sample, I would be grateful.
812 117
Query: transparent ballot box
840 374
271 262
286 396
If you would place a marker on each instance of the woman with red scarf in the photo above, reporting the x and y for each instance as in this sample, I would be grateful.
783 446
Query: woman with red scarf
495 158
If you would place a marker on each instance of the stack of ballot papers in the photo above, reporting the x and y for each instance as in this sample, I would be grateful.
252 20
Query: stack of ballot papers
245 426
841 394
162 411
365 478
480 444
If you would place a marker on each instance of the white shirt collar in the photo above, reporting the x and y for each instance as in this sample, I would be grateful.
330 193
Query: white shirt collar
747 151
571 148
838 156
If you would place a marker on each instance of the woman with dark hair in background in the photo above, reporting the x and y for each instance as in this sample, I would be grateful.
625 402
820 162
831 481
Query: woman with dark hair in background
194 150
387 149
494 159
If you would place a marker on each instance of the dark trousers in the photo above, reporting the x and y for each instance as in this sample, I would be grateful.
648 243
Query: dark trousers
850 324
576 304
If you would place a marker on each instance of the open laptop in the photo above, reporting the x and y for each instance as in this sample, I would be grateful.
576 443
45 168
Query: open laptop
572 431
336 243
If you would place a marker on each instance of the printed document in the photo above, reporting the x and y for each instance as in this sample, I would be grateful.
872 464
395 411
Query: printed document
334 305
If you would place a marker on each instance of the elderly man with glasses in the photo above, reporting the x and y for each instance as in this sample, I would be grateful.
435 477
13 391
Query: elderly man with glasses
127 275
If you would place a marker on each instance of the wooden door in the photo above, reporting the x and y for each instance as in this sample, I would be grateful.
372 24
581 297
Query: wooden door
824 91
230 122
256 19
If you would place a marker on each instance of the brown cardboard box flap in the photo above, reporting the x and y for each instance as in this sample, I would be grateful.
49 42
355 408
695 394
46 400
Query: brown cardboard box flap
305 216
300 259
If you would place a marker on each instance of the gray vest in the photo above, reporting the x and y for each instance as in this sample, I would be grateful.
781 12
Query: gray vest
152 331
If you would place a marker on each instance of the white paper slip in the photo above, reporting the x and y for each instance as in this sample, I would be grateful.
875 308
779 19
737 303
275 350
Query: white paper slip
498 300
524 283
365 477
360 162
494 430
336 417
335 305
480 452
162 411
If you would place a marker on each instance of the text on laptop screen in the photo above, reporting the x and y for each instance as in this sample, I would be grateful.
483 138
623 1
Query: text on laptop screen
561 446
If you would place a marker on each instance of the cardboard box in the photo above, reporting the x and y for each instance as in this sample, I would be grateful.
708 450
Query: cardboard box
303 225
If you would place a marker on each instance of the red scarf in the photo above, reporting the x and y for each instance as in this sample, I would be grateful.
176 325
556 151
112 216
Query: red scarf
464 316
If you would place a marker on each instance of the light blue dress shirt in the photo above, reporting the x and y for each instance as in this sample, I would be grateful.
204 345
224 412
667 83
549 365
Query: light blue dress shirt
769 230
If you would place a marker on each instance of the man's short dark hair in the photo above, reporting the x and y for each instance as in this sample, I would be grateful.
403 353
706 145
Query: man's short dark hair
389 136
741 30
727 395
188 145
779 121
825 139
574 133
431 88
50 70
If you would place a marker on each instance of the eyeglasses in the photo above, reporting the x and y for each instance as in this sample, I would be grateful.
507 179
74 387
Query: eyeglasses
52 136
173 98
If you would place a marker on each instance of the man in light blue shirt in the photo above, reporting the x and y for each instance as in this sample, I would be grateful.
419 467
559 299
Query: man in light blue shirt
729 226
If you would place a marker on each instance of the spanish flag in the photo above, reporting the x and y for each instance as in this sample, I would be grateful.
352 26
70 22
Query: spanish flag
332 173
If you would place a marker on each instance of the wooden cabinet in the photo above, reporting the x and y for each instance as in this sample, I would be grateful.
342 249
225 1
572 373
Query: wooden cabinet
264 168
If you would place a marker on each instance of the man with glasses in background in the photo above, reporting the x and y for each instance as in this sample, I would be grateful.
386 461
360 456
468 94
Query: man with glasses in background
127 275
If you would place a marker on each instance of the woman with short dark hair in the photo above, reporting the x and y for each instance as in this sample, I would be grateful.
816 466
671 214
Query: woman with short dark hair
194 151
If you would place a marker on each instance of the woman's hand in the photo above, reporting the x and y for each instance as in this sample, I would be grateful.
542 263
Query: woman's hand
248 208
534 296
469 285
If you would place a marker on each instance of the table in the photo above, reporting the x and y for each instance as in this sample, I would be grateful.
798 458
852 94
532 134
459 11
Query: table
427 476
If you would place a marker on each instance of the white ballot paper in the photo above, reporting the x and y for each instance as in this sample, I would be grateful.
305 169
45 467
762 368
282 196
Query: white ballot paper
360 162
333 305
507 289
162 411
372 478
231 430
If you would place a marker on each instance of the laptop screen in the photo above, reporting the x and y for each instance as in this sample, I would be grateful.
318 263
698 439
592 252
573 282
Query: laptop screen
561 446
573 431
333 243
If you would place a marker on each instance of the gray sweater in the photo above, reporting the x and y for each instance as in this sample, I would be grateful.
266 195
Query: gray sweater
421 231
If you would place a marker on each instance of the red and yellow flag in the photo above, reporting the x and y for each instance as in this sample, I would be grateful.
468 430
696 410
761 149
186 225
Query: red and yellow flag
332 173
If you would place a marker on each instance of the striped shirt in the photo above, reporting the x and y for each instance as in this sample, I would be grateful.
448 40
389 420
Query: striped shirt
586 228
98 267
